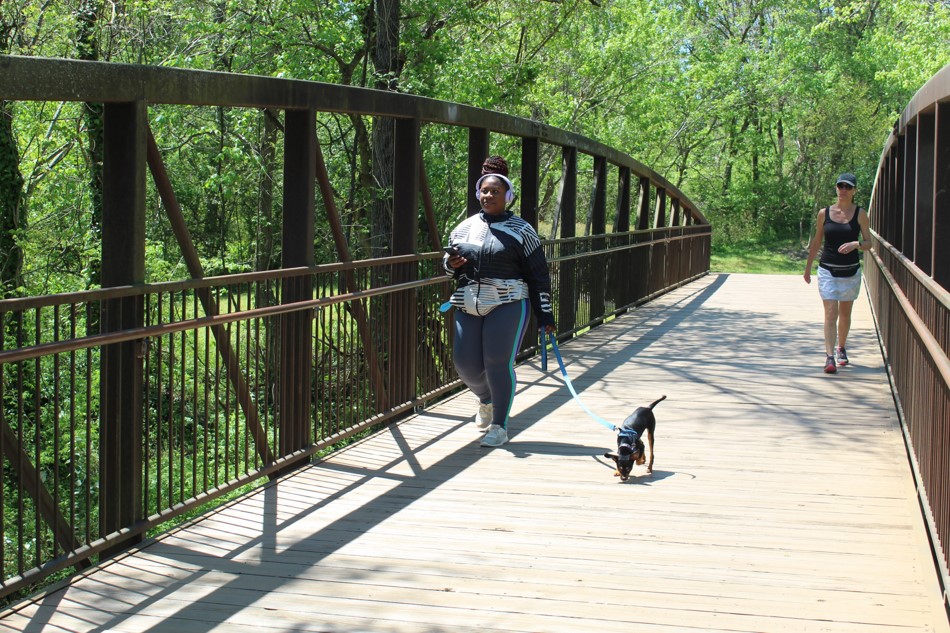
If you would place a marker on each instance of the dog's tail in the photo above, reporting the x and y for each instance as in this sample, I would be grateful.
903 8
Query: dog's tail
656 402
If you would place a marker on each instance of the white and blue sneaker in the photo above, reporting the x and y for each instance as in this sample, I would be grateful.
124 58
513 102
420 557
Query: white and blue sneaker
496 436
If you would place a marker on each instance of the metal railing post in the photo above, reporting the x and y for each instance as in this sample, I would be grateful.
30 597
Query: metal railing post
403 312
622 217
924 203
658 267
598 227
123 264
620 267
296 342
941 227
905 206
644 258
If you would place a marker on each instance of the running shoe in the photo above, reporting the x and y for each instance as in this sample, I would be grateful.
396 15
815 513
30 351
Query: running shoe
830 365
842 357
496 436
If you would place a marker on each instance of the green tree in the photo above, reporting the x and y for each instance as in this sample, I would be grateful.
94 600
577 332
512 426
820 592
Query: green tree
11 179
11 197
388 67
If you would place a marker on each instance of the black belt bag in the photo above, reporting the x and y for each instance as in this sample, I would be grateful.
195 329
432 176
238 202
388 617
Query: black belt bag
841 271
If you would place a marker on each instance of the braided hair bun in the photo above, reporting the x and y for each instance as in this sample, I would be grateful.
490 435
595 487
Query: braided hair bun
495 165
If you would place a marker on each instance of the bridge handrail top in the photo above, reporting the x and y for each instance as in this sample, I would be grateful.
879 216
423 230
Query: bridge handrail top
57 79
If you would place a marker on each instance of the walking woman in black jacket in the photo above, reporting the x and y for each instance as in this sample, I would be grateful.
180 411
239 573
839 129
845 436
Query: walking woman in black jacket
501 272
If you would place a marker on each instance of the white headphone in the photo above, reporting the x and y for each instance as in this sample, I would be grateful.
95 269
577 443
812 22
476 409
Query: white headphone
509 194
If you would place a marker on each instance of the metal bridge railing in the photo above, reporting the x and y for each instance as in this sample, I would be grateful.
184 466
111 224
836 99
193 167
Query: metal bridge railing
126 406
908 276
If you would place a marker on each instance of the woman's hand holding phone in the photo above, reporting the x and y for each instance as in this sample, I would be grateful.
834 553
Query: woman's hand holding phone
455 259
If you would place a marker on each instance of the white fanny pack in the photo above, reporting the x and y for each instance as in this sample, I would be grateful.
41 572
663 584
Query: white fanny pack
482 297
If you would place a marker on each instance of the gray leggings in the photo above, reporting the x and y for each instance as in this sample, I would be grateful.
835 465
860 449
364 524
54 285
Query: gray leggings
484 354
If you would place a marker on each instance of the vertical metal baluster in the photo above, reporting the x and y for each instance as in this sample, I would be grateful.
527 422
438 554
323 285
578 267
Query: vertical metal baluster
207 408
217 403
182 399
243 329
21 562
227 420
149 433
87 492
183 412
56 410
170 418
268 378
73 466
37 440
322 349
255 388
159 406
194 335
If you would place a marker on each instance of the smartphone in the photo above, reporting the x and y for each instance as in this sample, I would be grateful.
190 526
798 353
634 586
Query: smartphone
452 251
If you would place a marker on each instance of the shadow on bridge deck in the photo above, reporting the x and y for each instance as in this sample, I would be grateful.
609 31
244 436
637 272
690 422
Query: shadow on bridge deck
781 500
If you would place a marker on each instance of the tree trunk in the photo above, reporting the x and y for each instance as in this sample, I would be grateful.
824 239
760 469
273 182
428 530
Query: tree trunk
87 45
386 63
216 216
217 223
732 151
264 257
730 155
780 149
11 198
755 148
681 167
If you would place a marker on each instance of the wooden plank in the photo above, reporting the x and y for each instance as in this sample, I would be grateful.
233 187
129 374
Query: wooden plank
781 501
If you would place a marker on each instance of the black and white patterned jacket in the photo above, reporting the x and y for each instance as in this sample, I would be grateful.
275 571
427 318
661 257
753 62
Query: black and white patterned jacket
505 262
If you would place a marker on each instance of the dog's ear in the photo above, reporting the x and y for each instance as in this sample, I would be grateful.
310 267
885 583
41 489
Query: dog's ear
612 455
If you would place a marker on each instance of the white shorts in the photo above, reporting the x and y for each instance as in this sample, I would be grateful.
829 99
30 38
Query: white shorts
838 288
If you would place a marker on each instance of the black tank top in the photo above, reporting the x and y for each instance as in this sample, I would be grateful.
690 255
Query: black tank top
836 234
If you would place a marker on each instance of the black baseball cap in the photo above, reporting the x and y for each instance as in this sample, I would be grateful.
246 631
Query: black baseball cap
847 179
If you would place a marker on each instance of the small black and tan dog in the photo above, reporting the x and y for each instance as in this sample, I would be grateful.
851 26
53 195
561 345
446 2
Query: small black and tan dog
630 448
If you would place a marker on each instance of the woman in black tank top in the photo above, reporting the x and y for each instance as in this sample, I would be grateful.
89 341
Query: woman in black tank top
841 234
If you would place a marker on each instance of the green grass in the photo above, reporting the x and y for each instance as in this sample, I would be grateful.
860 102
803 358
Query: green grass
783 257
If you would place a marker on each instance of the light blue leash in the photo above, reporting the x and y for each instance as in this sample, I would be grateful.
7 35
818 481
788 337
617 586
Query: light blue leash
567 381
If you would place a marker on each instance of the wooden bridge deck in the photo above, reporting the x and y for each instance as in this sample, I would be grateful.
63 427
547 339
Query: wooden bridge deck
782 500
